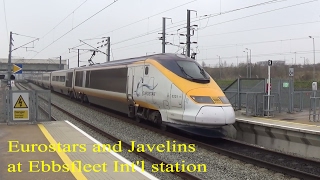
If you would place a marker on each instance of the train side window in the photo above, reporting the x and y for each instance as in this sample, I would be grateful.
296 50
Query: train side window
62 78
146 70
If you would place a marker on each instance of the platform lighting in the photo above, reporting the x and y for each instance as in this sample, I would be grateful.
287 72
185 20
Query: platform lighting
304 60
314 59
219 66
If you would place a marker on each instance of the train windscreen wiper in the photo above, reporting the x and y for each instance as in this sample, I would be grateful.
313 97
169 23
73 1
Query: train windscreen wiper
184 72
202 72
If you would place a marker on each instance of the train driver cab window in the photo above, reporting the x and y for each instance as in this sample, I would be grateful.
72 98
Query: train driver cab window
146 70
193 71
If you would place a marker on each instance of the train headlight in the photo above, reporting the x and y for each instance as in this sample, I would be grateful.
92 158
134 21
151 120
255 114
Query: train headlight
202 99
224 100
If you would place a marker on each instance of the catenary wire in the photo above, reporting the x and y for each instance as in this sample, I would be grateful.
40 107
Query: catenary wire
60 22
211 25
76 26
5 18
141 20
156 30
153 31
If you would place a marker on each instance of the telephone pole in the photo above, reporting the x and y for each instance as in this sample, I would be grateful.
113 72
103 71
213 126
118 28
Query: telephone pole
9 57
249 63
314 60
163 35
60 63
108 50
188 33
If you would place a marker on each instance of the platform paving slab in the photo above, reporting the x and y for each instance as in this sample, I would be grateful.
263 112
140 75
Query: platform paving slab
26 134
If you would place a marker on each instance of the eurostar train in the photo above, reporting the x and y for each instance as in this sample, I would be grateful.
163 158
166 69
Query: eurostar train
167 89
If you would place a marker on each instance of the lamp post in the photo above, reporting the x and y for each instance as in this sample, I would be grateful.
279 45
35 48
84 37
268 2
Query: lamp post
314 59
304 60
249 63
219 66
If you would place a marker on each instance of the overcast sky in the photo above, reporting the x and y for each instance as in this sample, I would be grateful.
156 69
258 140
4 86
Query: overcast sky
277 30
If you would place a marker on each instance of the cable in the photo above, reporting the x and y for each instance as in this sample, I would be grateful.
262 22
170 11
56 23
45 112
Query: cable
76 26
258 42
156 30
5 17
136 44
153 31
253 14
64 19
145 34
147 17
260 28
226 12
262 55
61 22
24 35
261 13
142 20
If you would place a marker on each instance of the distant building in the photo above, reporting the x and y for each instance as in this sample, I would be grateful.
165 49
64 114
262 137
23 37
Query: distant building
274 63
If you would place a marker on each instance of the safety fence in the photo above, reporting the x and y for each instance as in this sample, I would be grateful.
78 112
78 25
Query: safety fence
25 106
251 94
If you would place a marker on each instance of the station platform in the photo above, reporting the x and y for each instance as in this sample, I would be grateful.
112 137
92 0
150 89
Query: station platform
59 150
297 120
285 132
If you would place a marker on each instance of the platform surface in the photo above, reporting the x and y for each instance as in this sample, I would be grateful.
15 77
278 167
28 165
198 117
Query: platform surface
298 121
25 134
65 134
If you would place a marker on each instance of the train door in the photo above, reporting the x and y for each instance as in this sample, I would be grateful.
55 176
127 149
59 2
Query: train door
84 78
148 85
130 84
137 82
176 99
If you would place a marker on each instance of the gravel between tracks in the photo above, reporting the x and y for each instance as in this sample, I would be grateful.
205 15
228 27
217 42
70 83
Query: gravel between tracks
217 166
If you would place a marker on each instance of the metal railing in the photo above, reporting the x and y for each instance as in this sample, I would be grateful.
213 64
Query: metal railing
314 109
29 106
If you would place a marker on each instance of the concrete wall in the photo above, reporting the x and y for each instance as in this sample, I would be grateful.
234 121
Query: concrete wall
284 140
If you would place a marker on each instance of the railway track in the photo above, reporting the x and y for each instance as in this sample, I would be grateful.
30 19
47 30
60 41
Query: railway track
286 164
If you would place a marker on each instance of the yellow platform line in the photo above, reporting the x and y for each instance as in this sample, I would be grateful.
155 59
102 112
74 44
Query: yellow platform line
78 175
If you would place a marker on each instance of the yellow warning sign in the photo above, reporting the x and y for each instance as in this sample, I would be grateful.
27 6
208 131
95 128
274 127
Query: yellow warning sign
20 103
21 114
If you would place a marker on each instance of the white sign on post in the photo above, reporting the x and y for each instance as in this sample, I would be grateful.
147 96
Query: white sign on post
291 72
269 85
20 103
